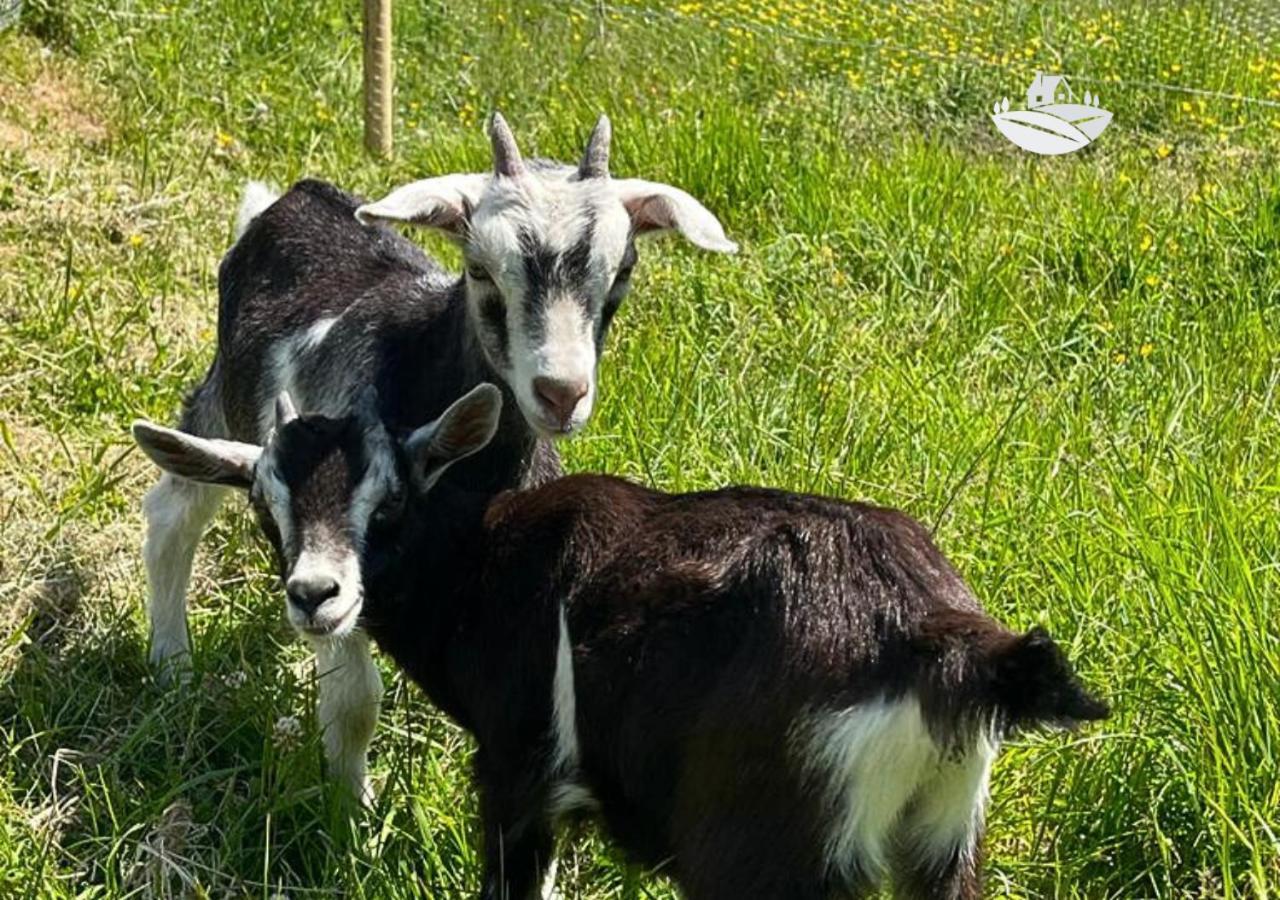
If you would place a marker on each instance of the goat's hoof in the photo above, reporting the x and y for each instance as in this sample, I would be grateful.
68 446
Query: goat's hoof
172 666
357 793
363 793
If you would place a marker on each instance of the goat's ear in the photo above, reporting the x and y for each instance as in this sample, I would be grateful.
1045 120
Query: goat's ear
444 203
206 460
465 427
654 206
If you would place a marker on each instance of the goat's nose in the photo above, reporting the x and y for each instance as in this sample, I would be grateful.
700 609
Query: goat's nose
307 592
559 398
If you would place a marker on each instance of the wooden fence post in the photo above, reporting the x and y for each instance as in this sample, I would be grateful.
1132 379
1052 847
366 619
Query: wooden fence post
378 114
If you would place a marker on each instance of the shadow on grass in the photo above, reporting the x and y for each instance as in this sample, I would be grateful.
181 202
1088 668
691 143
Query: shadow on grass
133 785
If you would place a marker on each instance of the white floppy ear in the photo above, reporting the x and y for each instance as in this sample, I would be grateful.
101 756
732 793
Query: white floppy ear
462 429
200 459
654 206
444 203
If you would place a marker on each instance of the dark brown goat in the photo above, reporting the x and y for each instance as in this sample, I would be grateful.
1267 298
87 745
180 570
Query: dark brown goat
767 694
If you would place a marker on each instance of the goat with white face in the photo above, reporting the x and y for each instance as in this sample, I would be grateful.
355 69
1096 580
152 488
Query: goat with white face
770 694
319 300
549 252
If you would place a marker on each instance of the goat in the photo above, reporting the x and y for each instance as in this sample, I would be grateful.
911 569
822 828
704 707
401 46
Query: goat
318 299
771 694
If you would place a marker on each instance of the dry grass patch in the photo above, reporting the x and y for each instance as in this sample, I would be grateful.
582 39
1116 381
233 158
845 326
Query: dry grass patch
44 103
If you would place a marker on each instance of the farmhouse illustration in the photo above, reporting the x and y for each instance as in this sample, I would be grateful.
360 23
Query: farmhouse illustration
1043 90
1049 126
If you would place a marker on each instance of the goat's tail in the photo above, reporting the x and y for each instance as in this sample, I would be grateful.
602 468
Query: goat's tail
979 667
257 196
1033 684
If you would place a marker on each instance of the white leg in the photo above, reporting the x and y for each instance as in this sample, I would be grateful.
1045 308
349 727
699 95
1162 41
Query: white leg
938 842
177 511
349 691
549 891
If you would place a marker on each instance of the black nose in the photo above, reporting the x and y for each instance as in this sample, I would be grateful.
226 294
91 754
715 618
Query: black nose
307 592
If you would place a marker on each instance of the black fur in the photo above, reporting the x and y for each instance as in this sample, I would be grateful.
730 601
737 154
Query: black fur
701 625
403 328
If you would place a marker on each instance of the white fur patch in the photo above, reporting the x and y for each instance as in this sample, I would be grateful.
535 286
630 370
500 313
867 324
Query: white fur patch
567 793
549 891
177 511
565 758
349 690
315 333
336 616
568 352
949 809
569 796
281 373
887 779
256 198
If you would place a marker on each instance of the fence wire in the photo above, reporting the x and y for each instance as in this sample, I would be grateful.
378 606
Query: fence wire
1219 36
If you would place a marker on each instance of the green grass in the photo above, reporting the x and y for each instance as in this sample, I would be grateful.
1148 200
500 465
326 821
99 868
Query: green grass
1067 366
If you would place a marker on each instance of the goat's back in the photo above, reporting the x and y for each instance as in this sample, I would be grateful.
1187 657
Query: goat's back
312 300
749 600
305 257
833 583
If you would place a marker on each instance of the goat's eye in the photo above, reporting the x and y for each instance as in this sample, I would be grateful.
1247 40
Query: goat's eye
478 273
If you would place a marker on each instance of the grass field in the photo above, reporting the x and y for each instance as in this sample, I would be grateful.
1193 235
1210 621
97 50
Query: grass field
1067 366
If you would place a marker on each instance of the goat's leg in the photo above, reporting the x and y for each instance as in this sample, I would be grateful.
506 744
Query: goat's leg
731 863
549 890
519 843
349 691
177 512
516 861
937 853
955 877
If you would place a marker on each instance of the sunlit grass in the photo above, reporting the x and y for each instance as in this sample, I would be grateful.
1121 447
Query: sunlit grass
1067 366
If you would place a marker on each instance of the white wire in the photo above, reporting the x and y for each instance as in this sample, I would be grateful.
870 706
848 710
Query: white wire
651 15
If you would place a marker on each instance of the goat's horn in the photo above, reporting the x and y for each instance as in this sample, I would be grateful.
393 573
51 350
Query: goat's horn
286 412
595 159
506 155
